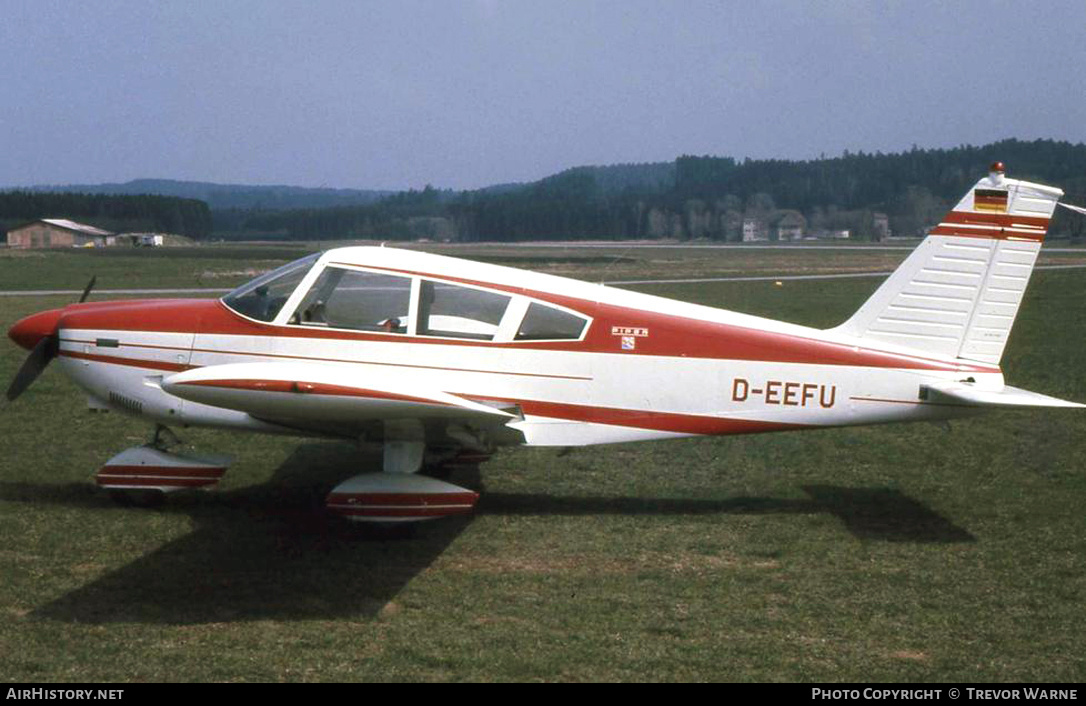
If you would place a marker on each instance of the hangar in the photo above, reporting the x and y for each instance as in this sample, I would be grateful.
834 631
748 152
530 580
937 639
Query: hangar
58 233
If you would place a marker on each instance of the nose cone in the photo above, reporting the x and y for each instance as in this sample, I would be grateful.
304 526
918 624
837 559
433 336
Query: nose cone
27 332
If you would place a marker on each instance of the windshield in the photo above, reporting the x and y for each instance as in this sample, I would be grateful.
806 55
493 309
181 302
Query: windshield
263 297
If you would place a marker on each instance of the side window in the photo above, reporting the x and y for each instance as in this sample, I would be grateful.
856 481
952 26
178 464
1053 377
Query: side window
362 301
542 322
459 312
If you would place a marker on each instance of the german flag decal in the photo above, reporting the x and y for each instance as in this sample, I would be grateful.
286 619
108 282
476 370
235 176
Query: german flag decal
991 200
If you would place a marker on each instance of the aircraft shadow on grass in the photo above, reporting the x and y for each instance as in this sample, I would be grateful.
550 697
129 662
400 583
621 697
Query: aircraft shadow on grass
274 552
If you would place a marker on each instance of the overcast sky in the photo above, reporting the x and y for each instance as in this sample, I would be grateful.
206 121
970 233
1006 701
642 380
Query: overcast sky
464 94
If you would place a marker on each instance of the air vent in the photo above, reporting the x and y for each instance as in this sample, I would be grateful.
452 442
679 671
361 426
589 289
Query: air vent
126 403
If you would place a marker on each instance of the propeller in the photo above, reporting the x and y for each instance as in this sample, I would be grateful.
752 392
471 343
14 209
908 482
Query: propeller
44 350
40 356
88 288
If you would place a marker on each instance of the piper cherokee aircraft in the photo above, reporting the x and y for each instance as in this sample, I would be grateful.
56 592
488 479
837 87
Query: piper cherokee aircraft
438 358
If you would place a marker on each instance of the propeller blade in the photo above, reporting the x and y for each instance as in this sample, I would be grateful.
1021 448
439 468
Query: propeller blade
44 350
32 367
87 290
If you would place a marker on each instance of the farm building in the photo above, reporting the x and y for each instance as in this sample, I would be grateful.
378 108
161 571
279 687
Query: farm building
755 228
790 225
881 226
58 233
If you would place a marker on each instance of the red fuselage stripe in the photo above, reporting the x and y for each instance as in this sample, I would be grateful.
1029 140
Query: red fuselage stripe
129 362
667 335
638 419
152 481
655 421
214 472
678 336
401 512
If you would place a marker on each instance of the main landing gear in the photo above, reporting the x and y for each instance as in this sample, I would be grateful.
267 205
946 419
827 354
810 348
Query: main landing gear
143 475
400 494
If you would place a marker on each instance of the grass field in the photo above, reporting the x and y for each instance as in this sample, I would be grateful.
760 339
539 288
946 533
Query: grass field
226 266
907 552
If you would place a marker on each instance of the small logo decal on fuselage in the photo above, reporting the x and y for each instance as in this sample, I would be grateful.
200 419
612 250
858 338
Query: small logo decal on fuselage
629 335
785 392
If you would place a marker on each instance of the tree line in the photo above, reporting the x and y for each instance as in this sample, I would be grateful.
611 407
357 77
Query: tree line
162 214
692 197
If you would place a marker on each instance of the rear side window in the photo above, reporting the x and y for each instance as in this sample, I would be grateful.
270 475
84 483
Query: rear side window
546 323
454 311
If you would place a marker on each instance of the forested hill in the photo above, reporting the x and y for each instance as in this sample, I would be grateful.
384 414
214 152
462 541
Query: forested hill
653 177
693 197
228 196
872 180
163 214
696 197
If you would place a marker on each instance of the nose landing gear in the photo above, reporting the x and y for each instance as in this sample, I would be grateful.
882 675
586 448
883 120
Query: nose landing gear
142 475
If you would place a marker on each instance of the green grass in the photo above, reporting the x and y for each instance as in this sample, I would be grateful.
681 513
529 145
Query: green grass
126 268
226 266
899 553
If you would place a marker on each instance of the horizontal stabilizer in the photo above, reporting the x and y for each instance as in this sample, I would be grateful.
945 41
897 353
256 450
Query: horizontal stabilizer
952 392
322 393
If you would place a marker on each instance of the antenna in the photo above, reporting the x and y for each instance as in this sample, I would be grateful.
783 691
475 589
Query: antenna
612 262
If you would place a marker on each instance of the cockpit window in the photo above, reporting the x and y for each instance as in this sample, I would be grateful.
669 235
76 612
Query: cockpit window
263 297
454 311
361 301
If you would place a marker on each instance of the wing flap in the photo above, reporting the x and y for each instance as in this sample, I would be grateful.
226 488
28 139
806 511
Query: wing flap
322 393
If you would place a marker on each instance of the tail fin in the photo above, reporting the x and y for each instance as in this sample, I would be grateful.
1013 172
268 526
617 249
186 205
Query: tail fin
958 293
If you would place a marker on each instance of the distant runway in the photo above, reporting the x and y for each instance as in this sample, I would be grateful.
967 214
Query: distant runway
695 246
58 292
786 278
693 280
734 246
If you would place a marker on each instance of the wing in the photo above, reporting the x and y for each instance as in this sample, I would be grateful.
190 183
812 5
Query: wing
309 394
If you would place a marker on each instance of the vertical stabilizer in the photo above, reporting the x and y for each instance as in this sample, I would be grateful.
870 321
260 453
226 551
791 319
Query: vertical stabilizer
958 293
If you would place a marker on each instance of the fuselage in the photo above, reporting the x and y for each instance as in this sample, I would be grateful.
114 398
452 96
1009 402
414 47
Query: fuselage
622 366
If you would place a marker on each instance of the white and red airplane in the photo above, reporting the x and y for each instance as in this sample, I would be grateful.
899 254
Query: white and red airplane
437 358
